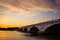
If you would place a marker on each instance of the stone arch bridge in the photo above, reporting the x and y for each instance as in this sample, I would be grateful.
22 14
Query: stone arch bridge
41 27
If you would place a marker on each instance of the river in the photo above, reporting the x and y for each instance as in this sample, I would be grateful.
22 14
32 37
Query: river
15 35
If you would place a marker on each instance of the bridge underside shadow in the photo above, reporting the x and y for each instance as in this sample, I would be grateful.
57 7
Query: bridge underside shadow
34 31
54 29
25 30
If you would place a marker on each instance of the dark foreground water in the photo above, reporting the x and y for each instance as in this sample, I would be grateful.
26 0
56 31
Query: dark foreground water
15 35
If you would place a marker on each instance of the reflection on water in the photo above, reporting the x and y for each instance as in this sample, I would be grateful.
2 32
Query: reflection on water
14 35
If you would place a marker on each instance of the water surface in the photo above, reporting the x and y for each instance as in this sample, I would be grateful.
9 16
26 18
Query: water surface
15 35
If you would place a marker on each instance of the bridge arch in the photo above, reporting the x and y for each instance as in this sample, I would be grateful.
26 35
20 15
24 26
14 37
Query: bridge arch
25 30
54 29
34 31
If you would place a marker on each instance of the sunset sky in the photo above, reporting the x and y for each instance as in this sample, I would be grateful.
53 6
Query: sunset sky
18 13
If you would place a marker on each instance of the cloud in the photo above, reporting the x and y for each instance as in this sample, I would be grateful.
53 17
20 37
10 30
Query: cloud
26 12
27 6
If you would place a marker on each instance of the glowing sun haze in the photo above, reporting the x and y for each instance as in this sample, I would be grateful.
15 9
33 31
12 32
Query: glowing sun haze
18 13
